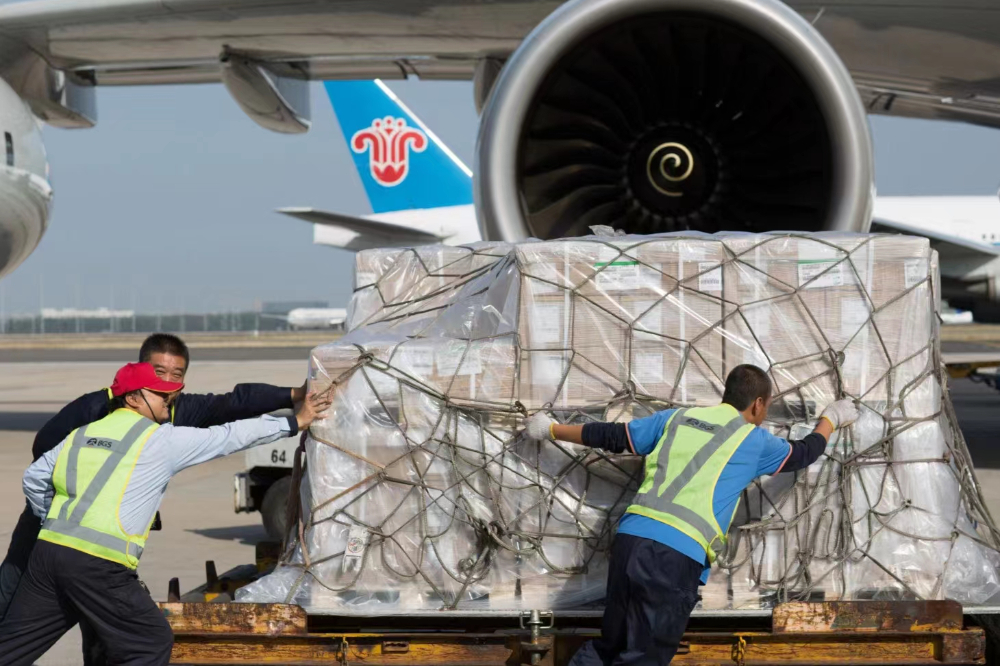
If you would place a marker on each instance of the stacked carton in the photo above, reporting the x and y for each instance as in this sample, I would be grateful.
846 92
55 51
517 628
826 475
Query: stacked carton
420 493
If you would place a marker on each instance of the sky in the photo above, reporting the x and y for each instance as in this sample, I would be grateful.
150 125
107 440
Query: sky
168 204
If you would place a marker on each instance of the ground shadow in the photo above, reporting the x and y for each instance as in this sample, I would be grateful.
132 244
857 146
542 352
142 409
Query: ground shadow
24 421
248 535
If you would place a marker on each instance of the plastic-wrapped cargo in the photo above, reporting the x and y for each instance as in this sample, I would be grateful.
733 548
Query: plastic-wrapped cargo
418 493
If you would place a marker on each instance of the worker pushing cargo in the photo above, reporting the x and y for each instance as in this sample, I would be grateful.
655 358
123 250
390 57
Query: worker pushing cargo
171 359
698 462
98 492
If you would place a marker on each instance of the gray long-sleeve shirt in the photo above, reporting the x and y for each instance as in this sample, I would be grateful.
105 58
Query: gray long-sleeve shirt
168 450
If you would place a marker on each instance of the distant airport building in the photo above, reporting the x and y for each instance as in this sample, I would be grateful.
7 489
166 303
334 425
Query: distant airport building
108 320
284 307
76 313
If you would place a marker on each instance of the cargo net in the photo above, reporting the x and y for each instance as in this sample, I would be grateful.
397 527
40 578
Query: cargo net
418 491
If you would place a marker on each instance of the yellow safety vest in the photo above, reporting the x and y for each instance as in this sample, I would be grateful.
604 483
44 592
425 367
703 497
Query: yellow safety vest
90 476
681 472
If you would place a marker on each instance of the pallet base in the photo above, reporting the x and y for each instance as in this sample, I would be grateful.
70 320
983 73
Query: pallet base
924 632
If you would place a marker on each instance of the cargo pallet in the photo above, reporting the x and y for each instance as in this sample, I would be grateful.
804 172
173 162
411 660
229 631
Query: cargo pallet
213 630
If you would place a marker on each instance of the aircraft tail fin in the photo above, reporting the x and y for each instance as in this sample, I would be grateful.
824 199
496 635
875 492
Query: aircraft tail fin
403 165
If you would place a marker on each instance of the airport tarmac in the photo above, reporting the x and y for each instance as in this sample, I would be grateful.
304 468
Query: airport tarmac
198 518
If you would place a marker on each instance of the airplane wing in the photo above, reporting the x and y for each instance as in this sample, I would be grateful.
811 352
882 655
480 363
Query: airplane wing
950 248
929 59
361 233
129 42
963 364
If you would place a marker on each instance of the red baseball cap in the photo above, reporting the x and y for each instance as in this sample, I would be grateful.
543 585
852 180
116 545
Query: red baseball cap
135 376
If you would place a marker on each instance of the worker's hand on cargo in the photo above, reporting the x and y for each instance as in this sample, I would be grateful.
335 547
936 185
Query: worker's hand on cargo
299 392
313 407
539 426
841 413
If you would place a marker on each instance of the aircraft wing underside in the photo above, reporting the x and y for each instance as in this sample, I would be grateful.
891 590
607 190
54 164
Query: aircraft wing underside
949 247
916 59
358 233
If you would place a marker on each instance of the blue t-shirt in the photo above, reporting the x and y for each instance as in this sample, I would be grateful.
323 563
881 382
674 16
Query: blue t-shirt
759 454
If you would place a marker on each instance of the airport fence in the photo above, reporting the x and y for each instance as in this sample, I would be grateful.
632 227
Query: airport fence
143 323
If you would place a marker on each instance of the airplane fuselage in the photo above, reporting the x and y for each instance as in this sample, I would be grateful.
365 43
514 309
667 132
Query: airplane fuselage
25 192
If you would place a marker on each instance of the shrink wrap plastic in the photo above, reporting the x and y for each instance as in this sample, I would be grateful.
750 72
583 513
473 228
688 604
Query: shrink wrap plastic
418 492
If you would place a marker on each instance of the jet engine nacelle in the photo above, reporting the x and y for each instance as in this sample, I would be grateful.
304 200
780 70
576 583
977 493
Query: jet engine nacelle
25 192
667 115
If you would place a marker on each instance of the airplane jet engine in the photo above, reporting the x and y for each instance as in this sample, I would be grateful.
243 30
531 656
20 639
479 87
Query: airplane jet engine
24 182
667 115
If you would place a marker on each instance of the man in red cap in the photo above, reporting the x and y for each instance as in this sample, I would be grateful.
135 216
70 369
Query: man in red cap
170 357
97 492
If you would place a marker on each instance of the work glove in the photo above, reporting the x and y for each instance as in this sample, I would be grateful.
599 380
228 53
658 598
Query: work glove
539 426
841 413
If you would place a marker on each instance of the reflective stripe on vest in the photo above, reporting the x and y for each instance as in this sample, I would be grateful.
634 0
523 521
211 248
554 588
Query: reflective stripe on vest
710 435
90 477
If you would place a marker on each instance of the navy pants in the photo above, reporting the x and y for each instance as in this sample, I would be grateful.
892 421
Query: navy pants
62 587
14 565
652 590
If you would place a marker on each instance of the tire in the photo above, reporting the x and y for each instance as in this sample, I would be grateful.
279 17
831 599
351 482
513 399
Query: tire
273 508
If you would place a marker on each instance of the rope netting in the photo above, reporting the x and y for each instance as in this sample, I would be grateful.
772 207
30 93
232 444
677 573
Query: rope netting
418 492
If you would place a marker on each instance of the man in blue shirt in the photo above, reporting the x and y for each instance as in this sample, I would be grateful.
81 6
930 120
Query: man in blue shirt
698 462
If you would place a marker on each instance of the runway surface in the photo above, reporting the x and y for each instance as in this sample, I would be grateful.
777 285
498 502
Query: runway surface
198 517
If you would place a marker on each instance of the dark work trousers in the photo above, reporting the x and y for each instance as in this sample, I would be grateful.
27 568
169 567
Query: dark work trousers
652 590
63 586
22 540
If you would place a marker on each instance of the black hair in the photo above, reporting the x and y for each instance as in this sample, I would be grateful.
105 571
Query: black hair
745 384
163 343
118 401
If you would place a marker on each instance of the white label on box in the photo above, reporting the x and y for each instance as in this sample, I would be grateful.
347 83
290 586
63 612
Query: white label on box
616 271
853 315
418 360
450 355
712 280
618 275
914 271
354 553
364 279
648 368
651 321
547 368
546 324
833 277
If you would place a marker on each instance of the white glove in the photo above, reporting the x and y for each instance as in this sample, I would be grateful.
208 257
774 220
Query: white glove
538 426
841 413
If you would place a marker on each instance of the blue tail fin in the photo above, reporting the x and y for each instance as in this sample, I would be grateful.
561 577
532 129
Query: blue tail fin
402 163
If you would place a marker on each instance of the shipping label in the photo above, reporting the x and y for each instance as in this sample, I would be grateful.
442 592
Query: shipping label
450 354
710 280
354 553
546 324
419 360
833 277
